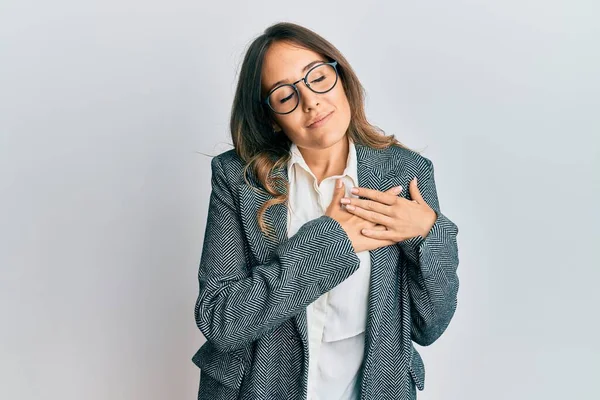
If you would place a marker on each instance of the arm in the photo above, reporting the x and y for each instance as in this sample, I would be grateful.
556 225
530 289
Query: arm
432 263
237 304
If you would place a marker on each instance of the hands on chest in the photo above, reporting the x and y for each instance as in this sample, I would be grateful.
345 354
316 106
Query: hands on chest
381 218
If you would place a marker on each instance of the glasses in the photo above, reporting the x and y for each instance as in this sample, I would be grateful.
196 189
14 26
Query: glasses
320 79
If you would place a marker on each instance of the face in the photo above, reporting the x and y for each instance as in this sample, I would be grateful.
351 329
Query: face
286 62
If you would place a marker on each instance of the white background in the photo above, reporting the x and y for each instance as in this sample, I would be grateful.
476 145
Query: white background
107 110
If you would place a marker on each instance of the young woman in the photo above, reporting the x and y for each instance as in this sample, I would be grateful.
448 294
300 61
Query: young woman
325 253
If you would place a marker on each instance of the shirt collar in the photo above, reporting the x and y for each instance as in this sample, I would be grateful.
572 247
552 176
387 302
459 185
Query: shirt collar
351 169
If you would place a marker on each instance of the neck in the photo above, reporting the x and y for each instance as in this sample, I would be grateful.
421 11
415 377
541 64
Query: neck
327 162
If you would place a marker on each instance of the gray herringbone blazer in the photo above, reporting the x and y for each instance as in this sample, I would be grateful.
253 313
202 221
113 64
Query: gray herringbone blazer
254 289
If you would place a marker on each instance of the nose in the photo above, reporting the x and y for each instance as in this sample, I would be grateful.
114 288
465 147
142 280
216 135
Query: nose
309 99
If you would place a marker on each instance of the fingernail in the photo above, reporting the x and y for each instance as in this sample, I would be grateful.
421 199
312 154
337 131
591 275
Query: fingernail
350 207
354 190
339 183
397 189
345 200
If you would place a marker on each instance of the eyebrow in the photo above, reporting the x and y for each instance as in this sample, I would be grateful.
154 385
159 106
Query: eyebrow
306 67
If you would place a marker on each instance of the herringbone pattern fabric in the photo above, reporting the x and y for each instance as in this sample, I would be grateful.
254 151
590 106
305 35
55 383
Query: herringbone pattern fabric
253 289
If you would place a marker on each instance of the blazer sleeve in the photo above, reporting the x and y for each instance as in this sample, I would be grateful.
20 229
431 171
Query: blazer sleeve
238 303
432 263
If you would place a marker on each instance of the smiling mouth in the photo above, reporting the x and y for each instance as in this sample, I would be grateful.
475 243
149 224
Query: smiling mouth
319 122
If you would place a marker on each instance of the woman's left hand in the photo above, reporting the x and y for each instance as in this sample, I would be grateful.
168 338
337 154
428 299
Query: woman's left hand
402 218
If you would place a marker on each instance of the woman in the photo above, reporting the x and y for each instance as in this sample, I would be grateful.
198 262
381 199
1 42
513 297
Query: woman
318 270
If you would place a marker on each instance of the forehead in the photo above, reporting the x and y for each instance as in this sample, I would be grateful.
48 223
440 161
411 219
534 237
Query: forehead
285 61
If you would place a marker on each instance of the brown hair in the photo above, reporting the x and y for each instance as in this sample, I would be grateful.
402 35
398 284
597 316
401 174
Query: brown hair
251 122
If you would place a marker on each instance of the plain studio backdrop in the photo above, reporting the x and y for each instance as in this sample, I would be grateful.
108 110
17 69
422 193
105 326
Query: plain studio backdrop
107 112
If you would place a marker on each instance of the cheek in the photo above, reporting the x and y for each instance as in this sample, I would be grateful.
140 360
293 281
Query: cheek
294 122
341 99
343 105
291 123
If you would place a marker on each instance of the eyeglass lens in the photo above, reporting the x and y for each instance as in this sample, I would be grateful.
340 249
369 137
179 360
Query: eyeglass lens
321 79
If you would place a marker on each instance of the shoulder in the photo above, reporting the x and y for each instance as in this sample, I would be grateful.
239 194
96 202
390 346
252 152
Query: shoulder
228 159
405 155
227 163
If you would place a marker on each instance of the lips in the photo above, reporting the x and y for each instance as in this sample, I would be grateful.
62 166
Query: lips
318 120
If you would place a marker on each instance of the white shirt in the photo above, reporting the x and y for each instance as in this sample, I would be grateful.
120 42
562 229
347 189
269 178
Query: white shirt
337 319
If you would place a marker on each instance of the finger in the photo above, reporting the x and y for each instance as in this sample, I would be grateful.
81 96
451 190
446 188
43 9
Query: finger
382 197
395 190
378 234
375 206
379 228
370 215
339 191
370 205
386 236
413 189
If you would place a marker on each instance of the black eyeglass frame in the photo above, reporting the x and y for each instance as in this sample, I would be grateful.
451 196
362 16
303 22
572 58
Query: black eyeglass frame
293 85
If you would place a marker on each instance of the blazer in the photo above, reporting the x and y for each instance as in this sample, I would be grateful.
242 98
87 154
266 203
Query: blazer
254 288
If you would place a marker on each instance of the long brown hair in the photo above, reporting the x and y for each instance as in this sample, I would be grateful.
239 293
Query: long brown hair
251 123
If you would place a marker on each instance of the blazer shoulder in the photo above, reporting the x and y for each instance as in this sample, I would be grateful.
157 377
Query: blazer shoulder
230 163
228 159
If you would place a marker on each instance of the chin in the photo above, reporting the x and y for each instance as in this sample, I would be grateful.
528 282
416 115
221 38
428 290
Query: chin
328 139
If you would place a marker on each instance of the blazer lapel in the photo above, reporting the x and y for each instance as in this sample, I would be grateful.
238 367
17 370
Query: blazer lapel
251 200
378 171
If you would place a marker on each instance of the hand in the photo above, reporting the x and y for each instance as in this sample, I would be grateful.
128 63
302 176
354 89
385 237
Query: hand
402 218
353 224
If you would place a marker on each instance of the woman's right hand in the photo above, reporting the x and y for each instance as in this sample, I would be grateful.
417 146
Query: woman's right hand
353 224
